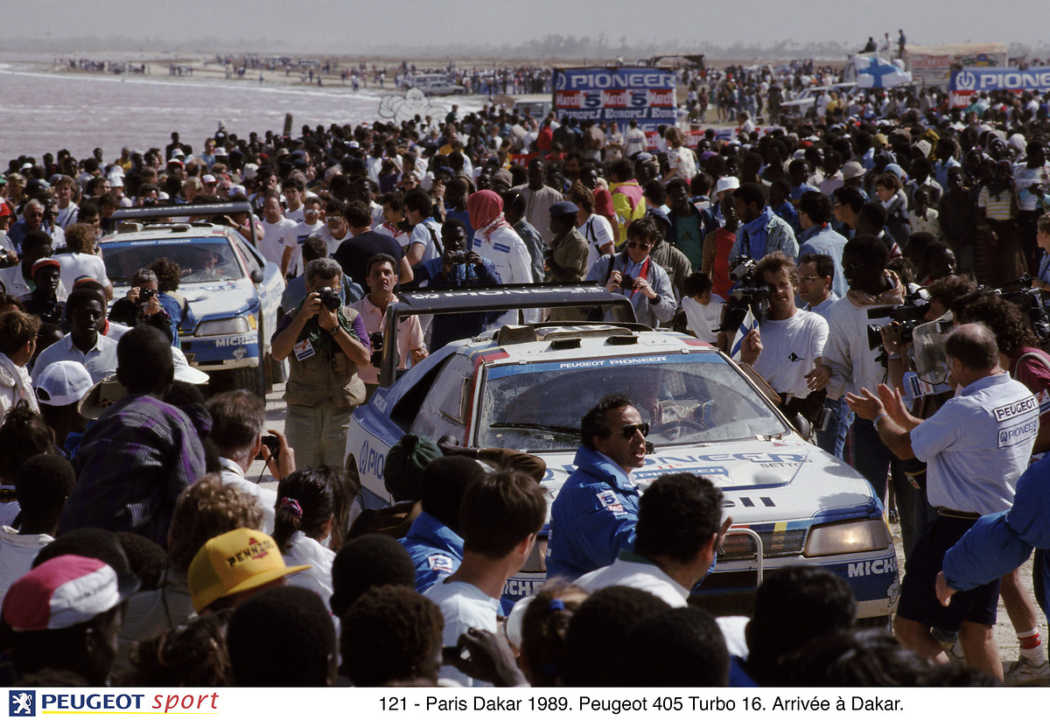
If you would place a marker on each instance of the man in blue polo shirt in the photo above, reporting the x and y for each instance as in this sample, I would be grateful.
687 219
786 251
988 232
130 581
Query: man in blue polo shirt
976 447
594 516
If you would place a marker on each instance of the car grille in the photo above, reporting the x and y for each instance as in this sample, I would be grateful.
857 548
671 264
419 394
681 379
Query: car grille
774 544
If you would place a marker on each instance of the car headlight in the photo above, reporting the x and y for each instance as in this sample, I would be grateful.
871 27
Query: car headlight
230 326
852 536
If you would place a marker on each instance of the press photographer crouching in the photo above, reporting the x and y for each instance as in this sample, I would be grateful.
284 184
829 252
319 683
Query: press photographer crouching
324 341
411 346
141 306
791 344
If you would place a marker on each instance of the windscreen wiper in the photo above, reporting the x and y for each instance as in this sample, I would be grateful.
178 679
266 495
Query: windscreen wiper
561 429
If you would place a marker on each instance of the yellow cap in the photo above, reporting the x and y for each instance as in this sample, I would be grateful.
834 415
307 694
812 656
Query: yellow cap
233 562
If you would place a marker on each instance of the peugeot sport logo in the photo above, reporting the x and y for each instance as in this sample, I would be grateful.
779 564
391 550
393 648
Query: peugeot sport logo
21 703
965 80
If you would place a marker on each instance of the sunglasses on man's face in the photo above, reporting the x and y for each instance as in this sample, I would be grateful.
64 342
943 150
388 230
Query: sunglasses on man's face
629 430
639 246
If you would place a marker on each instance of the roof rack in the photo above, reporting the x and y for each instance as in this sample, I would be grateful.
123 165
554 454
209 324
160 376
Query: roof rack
134 215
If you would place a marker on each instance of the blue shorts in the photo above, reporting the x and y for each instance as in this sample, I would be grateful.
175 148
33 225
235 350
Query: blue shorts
919 599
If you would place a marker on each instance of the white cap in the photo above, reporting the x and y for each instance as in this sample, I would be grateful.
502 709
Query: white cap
208 179
249 170
62 382
184 372
729 182
924 147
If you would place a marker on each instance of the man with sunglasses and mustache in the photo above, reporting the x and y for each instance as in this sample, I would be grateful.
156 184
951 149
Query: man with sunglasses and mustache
595 514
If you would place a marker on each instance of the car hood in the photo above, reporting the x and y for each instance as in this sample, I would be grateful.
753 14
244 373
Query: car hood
762 481
218 297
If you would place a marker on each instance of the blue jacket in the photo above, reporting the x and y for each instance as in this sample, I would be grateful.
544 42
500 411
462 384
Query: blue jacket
436 551
822 240
1000 542
593 518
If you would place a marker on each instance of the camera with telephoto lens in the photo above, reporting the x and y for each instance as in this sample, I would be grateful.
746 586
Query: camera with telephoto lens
749 292
330 298
906 316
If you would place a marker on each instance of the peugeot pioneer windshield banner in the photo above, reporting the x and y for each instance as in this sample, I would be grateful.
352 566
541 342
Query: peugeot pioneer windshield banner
617 95
968 81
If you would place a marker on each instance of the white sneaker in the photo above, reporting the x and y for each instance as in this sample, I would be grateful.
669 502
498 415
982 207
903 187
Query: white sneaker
1025 672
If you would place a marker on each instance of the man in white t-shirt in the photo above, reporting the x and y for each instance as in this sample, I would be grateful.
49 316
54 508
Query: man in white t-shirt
82 261
278 243
703 308
425 239
65 209
500 516
596 230
634 140
294 195
792 339
312 224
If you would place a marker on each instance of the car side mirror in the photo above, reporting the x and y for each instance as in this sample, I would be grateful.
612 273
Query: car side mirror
256 276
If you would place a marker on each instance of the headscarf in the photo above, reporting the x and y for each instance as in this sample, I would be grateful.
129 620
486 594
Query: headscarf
603 204
486 212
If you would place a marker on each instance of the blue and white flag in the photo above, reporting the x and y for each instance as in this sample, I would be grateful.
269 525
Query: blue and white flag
750 323
875 72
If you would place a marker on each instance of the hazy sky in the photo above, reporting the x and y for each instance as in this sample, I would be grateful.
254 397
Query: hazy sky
355 25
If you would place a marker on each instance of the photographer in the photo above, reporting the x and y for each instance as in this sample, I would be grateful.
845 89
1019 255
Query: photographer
382 279
324 341
792 342
142 304
456 268
633 273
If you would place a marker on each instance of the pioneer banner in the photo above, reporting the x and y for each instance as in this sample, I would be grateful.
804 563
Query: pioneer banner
616 95
964 83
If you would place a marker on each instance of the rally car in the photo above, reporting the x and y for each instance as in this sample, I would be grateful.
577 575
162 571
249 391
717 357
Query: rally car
527 387
226 280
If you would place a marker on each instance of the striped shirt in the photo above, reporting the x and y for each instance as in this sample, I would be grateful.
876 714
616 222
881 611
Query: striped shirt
996 208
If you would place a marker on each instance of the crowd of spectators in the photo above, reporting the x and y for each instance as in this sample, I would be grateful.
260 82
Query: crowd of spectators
134 548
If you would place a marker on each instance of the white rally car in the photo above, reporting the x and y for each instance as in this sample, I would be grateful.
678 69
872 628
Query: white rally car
527 387
230 286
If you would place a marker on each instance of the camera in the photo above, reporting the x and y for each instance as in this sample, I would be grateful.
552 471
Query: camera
273 445
330 298
749 293
146 294
457 258
1032 303
907 315
376 340
627 281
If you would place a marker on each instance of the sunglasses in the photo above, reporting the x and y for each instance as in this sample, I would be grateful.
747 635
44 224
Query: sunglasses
629 430
639 246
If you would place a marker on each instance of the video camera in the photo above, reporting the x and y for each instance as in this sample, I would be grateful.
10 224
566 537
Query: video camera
1032 302
907 315
749 292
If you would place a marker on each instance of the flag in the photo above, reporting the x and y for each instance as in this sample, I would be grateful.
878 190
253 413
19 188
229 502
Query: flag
750 323
875 72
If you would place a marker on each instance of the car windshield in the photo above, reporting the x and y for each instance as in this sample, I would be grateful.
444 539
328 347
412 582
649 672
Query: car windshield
200 259
686 399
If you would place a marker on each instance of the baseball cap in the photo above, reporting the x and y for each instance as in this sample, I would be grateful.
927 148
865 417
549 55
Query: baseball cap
729 182
208 179
184 372
852 169
234 562
63 382
924 147
220 151
62 592
560 209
